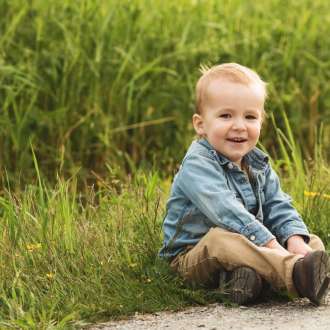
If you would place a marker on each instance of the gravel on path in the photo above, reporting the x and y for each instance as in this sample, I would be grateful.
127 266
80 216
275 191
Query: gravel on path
293 315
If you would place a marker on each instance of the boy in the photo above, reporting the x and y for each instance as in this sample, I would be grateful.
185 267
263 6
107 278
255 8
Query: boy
228 223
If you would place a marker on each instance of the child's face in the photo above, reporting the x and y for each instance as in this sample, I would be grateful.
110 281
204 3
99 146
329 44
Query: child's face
231 118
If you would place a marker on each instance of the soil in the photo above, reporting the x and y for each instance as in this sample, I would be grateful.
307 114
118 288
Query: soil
292 315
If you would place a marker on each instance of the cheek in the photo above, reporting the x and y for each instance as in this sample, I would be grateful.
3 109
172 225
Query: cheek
255 130
254 133
217 130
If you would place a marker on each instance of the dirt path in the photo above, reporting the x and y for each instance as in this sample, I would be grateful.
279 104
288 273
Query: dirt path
294 315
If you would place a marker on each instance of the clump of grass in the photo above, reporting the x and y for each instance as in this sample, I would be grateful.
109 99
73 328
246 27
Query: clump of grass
307 180
68 258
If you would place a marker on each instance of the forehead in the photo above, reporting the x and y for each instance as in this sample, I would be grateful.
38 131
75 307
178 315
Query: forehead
223 92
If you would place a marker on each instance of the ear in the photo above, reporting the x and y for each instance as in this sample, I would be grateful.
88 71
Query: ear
198 124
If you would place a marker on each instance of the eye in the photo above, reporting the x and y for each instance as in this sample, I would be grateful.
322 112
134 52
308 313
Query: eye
251 117
224 115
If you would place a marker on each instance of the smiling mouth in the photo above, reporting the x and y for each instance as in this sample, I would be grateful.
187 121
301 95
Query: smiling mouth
237 140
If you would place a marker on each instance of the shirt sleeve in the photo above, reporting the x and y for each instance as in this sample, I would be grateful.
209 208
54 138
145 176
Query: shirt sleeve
203 182
280 216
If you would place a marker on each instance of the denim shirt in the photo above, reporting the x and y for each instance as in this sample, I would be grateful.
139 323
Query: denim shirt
211 191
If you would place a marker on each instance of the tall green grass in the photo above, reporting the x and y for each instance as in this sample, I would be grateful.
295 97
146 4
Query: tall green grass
91 82
307 179
66 258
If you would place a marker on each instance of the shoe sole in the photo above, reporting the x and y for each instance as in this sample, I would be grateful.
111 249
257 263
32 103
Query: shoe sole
245 286
321 276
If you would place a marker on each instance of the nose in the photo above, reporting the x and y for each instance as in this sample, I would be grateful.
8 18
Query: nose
239 124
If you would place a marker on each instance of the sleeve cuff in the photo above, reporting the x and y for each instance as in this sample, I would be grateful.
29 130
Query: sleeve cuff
292 229
305 235
257 233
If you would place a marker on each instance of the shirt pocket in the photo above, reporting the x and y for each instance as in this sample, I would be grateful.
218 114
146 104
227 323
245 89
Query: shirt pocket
261 186
234 193
262 196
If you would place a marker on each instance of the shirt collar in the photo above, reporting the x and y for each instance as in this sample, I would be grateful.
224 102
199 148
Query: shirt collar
222 159
256 158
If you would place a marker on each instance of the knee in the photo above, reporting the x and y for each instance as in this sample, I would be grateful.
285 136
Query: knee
216 235
219 239
316 243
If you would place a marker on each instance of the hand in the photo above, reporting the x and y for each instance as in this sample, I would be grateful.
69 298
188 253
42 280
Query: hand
275 245
297 245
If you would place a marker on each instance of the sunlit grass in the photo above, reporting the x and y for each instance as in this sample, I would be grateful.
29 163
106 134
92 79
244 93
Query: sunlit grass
76 257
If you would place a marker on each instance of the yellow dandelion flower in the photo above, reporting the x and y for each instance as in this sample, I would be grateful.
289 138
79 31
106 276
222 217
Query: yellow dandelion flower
311 194
314 194
326 196
33 247
50 275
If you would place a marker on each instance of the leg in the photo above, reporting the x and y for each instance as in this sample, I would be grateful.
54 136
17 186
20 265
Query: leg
315 243
311 274
223 249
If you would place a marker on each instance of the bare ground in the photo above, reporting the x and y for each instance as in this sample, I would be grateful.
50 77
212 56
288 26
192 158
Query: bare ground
297 314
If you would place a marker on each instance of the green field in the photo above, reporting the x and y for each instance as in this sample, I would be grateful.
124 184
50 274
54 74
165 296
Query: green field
96 99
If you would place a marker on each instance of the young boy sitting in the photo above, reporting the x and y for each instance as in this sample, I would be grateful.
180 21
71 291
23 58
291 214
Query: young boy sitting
228 223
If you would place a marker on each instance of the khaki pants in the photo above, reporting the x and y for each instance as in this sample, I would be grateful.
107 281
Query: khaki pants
221 249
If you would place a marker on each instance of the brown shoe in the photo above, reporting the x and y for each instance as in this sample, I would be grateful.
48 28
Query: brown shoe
311 276
243 285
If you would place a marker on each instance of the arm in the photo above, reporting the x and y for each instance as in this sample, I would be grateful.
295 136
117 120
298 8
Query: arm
280 216
274 244
297 245
202 181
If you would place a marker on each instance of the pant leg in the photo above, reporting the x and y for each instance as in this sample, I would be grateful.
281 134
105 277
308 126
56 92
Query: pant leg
315 243
223 249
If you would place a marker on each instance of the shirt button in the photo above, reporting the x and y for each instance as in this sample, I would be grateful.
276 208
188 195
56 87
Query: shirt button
252 237
230 166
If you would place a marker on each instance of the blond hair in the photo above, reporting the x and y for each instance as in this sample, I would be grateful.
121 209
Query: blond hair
233 72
